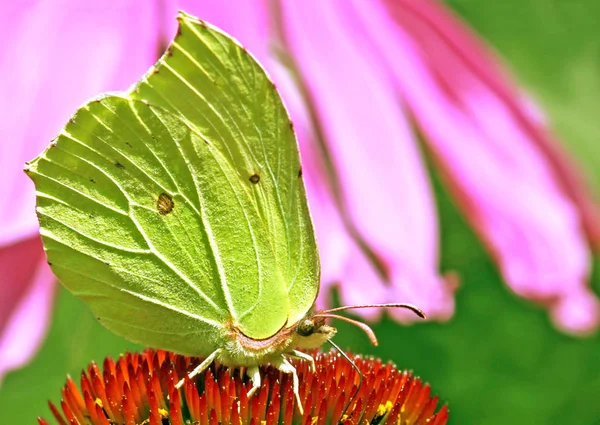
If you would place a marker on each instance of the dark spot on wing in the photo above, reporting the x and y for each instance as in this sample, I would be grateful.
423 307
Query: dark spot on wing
92 180
300 173
119 165
254 178
128 144
164 204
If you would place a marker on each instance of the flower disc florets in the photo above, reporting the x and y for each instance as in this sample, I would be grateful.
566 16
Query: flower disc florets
140 389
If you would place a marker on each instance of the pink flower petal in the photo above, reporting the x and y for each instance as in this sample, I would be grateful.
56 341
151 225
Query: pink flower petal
428 19
16 273
27 297
384 190
52 58
577 312
342 261
501 177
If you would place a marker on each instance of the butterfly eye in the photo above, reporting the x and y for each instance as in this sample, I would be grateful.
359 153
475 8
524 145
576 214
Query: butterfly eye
306 327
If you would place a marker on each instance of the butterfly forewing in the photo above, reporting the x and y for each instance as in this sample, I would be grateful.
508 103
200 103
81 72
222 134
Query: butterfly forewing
177 210
222 92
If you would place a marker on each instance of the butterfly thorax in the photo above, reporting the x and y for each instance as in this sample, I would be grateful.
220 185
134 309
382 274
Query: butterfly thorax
241 350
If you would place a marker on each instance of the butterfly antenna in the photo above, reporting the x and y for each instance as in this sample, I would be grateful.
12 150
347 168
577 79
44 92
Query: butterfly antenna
360 375
366 328
407 306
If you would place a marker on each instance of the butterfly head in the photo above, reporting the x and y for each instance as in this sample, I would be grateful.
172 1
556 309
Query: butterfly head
312 332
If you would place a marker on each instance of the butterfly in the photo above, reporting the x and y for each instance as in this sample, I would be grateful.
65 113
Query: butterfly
177 211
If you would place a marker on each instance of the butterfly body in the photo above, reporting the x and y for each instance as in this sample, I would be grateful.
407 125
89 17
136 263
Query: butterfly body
239 350
176 210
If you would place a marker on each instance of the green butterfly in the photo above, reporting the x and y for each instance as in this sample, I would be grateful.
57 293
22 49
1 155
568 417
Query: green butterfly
177 211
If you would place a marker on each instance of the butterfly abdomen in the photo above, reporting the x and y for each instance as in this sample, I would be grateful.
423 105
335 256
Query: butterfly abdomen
241 350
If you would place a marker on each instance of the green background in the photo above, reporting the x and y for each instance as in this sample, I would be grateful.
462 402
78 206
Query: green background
498 361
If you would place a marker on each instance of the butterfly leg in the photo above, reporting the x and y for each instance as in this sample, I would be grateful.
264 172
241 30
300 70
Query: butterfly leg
295 354
200 368
253 373
286 367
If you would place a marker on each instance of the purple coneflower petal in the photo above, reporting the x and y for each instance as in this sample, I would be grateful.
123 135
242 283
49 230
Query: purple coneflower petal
342 260
431 18
52 58
363 63
504 182
384 195
30 290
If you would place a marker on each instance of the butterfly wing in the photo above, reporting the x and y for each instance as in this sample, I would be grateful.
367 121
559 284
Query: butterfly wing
220 90
176 210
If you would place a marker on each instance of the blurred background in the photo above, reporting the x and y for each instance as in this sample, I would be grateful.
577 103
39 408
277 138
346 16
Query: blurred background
495 357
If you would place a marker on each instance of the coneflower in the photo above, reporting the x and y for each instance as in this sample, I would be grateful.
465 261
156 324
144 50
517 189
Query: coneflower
140 389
